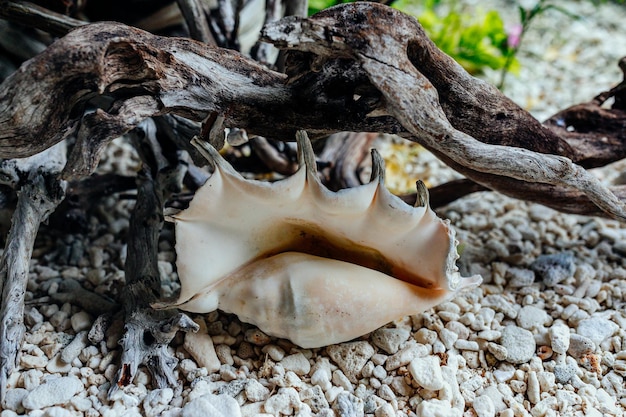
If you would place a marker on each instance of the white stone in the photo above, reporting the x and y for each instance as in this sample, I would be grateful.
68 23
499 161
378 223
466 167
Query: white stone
531 317
284 402
597 329
560 337
13 399
210 405
52 392
56 365
385 410
427 372
255 391
314 397
81 321
533 388
296 363
483 406
321 377
57 412
437 408
351 357
519 343
200 347
341 380
390 340
74 348
405 355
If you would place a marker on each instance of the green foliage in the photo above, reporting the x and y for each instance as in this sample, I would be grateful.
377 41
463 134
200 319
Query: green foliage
317 5
475 41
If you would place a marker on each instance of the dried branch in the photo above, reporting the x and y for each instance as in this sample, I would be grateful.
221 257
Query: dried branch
38 197
34 16
148 332
355 67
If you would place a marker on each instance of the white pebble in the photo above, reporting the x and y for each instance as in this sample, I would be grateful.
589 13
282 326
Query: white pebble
213 406
533 389
296 363
81 321
409 352
466 345
427 372
200 347
389 340
597 329
437 408
284 402
255 391
351 357
385 410
559 337
519 343
340 380
483 406
531 317
52 392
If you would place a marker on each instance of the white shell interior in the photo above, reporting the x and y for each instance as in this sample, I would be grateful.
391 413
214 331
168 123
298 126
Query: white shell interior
308 264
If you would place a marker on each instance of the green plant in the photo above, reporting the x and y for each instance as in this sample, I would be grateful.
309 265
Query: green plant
476 40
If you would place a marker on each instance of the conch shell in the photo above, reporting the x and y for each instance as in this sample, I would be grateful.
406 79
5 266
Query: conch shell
308 264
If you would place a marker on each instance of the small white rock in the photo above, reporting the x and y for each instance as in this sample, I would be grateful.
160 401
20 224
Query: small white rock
597 329
427 372
52 392
559 337
296 363
81 321
390 340
437 408
200 347
483 406
210 405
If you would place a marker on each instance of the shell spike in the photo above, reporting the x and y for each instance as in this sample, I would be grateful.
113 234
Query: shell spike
306 156
212 156
378 167
422 195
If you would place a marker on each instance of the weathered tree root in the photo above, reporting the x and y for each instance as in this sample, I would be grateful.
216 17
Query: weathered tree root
361 66
148 332
41 192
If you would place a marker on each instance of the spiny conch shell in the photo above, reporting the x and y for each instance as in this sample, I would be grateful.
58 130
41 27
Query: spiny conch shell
304 263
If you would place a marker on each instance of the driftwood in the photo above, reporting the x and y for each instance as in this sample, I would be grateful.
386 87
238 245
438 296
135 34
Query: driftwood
355 78
40 191
359 67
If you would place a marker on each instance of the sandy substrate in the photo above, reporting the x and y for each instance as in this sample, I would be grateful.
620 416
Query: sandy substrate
544 335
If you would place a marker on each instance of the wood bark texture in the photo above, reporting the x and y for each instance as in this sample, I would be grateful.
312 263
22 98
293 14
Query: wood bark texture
355 67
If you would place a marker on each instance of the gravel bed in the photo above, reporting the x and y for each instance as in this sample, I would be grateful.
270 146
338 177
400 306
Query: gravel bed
544 335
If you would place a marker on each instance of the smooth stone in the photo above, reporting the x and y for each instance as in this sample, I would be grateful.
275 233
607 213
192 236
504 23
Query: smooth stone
52 392
484 407
437 408
427 372
531 317
580 346
559 337
296 363
390 340
210 405
200 347
597 329
519 343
